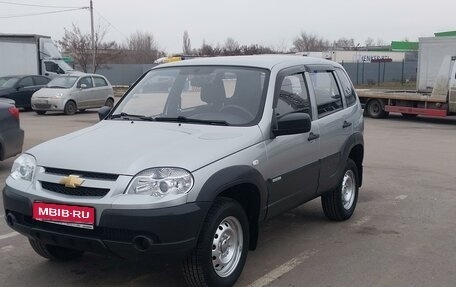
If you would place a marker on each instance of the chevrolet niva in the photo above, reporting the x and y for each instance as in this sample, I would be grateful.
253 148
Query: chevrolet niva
194 168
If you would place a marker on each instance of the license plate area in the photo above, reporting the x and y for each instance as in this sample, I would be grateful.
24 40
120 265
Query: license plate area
70 215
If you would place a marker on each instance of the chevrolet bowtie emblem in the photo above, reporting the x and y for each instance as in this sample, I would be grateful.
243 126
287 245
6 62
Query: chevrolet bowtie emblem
72 181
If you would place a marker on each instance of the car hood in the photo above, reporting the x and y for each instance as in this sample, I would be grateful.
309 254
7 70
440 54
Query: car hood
128 147
48 92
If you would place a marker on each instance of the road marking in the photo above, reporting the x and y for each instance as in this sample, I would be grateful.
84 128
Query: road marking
8 235
6 248
361 221
282 269
401 197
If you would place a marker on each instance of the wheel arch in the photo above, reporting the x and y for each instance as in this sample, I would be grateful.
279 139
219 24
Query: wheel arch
354 149
245 185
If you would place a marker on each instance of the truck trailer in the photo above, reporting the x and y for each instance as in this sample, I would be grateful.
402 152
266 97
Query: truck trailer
30 54
435 93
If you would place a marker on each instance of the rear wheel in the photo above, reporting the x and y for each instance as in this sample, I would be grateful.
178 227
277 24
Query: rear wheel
70 108
339 204
40 112
375 109
222 247
55 253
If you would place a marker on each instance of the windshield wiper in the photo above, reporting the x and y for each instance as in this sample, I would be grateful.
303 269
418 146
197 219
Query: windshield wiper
181 119
129 116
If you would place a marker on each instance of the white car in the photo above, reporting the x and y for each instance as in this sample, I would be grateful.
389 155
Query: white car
70 93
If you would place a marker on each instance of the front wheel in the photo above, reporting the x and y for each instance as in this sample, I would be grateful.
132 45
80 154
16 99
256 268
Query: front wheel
222 247
339 204
109 103
55 253
70 108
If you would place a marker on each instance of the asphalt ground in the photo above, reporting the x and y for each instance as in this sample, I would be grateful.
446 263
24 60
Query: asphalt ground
402 233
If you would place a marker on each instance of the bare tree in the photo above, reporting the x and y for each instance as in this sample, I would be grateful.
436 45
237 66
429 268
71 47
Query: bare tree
231 47
79 45
369 42
309 43
186 45
380 42
344 43
142 48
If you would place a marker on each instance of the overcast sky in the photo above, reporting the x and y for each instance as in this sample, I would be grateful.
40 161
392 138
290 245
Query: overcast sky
268 22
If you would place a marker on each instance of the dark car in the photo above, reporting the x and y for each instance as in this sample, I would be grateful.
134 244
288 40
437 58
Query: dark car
21 88
11 134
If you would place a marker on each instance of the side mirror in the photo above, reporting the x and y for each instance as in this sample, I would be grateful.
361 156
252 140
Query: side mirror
83 86
294 123
103 112
19 88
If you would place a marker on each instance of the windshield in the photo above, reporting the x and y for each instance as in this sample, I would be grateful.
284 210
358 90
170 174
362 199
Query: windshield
8 82
62 82
198 94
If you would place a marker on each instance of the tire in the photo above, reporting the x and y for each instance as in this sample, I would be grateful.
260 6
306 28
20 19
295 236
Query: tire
375 109
40 112
335 205
70 108
55 253
204 265
109 103
409 116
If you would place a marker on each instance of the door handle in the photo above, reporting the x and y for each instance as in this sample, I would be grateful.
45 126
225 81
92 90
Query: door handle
346 124
313 136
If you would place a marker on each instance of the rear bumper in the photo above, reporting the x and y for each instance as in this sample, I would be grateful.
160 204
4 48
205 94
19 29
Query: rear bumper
124 233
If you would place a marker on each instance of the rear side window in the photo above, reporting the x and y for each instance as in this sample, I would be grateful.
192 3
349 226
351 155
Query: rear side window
347 88
99 82
293 96
327 93
40 81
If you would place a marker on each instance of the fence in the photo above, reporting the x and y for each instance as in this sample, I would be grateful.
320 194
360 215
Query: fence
361 73
366 73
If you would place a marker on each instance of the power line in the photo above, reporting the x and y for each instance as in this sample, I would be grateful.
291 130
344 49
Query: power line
115 28
41 13
34 5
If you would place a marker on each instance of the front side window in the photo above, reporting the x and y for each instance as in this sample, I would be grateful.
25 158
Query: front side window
26 82
327 93
221 94
85 81
53 67
293 96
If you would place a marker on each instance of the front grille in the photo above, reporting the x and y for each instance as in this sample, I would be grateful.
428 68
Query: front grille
78 191
103 233
84 174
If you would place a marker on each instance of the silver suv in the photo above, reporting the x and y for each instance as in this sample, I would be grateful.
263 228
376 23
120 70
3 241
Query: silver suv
195 167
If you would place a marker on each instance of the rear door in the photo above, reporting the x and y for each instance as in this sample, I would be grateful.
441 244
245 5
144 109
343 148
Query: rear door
293 159
333 125
24 91
101 90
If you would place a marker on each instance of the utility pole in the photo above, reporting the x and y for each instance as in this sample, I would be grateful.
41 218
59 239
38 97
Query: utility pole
93 35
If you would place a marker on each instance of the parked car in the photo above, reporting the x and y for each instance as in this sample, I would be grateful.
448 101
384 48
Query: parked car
21 88
70 93
11 134
196 169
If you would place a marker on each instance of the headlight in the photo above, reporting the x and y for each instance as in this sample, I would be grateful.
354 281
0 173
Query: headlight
159 182
59 95
24 167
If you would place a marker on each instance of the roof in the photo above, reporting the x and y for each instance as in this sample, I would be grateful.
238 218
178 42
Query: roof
445 34
23 36
260 61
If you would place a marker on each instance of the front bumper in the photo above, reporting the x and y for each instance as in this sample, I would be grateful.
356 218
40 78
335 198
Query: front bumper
127 233
48 104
